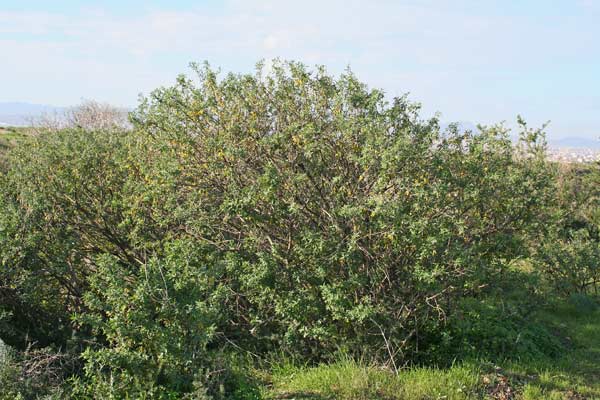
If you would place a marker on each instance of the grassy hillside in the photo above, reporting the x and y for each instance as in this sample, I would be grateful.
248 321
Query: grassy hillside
9 135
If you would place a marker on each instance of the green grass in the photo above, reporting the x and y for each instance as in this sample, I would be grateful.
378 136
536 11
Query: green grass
577 371
348 380
573 375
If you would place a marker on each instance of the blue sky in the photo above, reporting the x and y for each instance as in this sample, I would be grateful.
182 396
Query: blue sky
477 61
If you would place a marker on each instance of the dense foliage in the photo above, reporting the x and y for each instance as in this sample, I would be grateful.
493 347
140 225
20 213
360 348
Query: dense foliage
290 212
571 254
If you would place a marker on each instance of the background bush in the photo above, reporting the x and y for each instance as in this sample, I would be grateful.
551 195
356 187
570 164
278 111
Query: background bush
570 256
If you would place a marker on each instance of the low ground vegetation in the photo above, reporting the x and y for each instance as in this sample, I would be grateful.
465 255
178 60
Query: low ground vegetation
293 235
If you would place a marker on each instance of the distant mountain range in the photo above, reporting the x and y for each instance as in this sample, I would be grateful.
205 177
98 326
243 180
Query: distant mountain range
575 142
22 114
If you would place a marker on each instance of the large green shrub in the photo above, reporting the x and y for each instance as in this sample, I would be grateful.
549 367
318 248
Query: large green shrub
289 211
345 220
